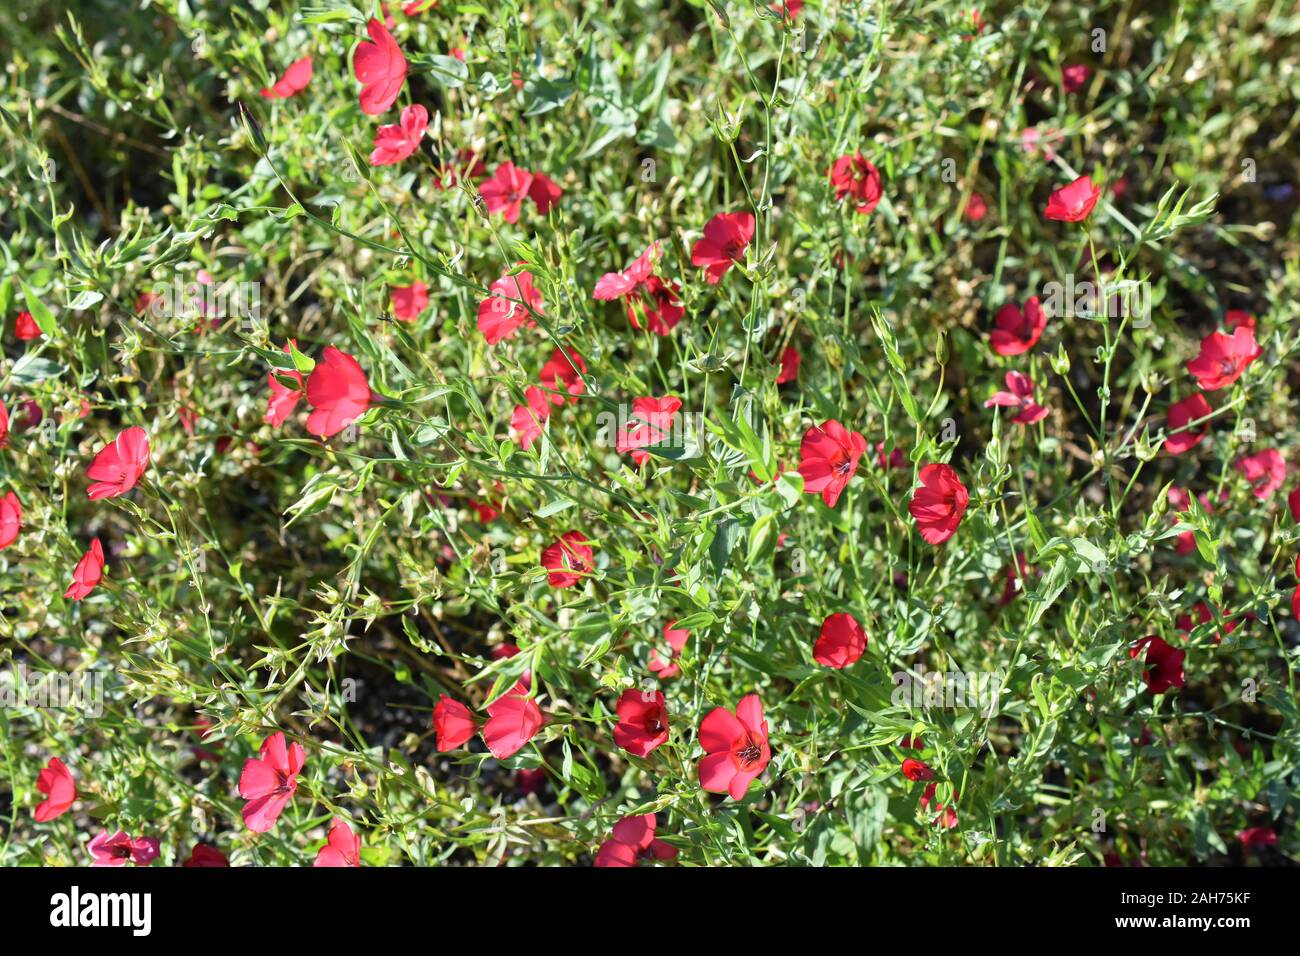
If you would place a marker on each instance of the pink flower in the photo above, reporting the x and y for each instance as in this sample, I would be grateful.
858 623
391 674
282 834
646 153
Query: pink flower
88 572
1265 470
343 847
736 747
55 781
1073 203
726 237
528 421
409 301
117 848
1016 332
676 638
614 285
338 393
294 80
512 722
1074 76
633 839
828 458
11 519
205 856
642 721
1019 395
650 425
1181 414
396 142
380 68
269 782
1223 358
506 191
504 311
119 464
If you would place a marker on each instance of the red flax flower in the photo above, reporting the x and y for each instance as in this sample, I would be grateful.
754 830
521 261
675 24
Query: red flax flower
4 425
294 80
1223 358
735 746
655 306
1019 395
1164 664
1181 414
119 464
512 722
11 519
504 311
726 237
841 642
938 504
789 363
642 721
615 285
916 770
117 848
454 724
506 191
1073 203
545 192
206 856
528 421
399 140
88 572
1074 76
562 374
338 393
1235 318
343 847
380 68
55 781
409 301
854 176
1256 837
977 207
947 817
283 400
1204 616
568 560
632 840
650 425
828 458
25 327
1016 332
269 781
676 638
1265 470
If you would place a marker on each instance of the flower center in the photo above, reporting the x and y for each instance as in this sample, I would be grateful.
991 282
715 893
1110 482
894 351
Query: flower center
746 751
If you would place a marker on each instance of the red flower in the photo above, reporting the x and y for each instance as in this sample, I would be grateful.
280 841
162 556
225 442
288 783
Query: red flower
25 327
735 746
654 305
4 425
117 848
380 68
88 572
453 722
544 192
269 782
916 770
642 721
119 464
529 420
11 519
726 237
1293 502
568 560
938 504
506 191
947 817
1204 615
512 722
1016 332
1164 664
562 374
409 301
55 781
828 458
1019 394
1181 414
789 9
633 839
504 311
294 80
397 141
1223 358
338 393
1265 470
1256 837
977 207
855 176
343 848
676 638
789 362
1074 76
615 285
1237 318
206 856
841 642
1073 203
650 425
283 399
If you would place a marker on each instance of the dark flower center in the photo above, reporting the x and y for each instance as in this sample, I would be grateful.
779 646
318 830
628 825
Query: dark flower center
746 751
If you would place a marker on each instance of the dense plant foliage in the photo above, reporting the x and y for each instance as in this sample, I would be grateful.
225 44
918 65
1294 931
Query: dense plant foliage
682 433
